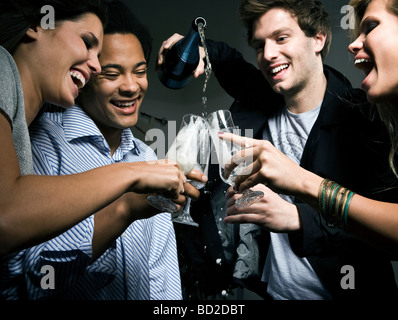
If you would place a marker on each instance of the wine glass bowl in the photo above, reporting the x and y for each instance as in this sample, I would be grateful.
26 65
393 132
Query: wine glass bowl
221 121
190 150
194 150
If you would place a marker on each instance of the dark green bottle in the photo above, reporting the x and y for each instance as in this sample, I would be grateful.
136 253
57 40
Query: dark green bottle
182 58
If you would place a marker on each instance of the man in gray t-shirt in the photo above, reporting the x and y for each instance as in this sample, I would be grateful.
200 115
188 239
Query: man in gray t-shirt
311 113
284 269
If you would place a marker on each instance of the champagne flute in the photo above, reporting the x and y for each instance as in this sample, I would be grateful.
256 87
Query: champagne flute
221 121
184 152
198 140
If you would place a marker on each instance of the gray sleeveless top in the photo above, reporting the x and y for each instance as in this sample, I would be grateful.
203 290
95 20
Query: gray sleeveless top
12 106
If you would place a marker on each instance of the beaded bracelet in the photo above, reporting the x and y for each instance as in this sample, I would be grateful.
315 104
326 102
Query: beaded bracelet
334 201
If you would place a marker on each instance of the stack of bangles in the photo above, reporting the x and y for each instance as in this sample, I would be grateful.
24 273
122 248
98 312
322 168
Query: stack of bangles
334 201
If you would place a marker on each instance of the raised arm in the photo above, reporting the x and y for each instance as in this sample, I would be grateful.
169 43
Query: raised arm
230 68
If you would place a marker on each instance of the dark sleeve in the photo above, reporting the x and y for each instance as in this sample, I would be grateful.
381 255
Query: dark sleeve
239 78
316 235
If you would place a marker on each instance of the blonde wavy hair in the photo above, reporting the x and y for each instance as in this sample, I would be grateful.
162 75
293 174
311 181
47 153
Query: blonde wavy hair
387 111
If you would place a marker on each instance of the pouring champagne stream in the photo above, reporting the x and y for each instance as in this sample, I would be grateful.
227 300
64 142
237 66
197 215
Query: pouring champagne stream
191 149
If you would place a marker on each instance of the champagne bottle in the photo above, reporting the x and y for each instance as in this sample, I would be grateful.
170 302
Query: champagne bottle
182 58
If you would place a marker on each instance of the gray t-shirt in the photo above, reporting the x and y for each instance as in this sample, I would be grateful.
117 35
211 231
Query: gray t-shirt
12 106
291 277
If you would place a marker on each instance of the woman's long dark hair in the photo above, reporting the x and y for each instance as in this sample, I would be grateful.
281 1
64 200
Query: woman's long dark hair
17 16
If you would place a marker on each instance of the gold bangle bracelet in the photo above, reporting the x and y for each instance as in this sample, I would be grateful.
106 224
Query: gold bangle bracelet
333 201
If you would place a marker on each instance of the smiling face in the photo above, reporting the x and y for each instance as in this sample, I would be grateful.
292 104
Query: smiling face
285 55
114 97
68 57
376 53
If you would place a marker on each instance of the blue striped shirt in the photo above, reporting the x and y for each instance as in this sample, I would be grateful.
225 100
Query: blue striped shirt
141 264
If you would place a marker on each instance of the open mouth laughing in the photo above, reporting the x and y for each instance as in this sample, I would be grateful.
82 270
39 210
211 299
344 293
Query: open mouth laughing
78 78
125 106
364 64
277 70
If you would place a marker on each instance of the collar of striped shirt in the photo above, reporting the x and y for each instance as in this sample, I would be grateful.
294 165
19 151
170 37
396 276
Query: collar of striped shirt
77 124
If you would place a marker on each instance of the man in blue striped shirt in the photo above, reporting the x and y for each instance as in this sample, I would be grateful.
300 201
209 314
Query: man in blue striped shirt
116 253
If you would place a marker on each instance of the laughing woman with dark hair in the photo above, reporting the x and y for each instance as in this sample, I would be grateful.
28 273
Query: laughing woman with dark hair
126 250
41 65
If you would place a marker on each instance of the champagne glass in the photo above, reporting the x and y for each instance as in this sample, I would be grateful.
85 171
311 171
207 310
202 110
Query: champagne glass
184 151
221 121
198 140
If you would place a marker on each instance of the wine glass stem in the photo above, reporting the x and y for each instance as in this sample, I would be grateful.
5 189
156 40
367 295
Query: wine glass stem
187 206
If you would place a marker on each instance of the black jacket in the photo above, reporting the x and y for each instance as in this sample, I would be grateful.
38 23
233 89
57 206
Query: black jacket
347 144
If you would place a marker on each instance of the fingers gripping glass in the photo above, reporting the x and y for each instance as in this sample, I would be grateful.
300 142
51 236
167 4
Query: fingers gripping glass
191 150
221 121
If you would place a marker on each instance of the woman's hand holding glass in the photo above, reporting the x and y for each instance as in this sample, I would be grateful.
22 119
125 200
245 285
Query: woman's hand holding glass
269 166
